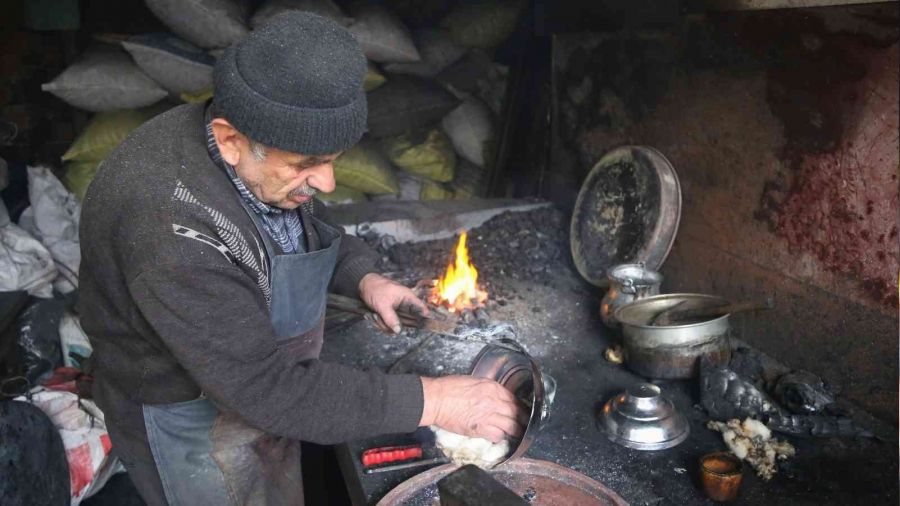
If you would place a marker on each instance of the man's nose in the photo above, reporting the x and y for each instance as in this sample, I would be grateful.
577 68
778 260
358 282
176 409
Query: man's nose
322 177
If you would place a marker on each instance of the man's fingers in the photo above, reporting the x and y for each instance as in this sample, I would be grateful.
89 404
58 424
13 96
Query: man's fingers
379 324
415 303
389 317
514 408
492 433
502 394
509 426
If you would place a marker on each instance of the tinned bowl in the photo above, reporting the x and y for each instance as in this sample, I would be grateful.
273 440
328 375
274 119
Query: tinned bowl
643 419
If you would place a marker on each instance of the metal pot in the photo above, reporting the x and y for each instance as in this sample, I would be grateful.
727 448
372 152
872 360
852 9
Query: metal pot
672 352
509 365
627 283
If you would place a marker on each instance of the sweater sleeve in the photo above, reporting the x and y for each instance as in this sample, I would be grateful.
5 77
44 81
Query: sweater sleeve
215 324
355 259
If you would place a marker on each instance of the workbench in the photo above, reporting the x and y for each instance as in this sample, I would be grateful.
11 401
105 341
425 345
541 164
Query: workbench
558 323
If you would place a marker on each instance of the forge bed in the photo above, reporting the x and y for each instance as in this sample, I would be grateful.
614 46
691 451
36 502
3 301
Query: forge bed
567 339
558 322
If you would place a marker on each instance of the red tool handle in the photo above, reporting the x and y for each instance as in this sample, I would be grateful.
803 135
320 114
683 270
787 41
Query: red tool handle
376 456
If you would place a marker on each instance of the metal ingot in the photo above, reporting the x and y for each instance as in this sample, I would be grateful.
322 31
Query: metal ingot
643 419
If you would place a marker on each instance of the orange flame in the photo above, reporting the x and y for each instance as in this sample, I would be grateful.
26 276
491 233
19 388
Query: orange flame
458 289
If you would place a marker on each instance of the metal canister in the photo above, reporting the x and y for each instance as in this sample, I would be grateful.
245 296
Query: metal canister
627 283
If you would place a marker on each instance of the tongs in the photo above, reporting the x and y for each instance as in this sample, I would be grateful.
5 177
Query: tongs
407 318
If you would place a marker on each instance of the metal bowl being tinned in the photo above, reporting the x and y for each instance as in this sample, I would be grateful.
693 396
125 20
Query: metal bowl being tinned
627 211
643 419
673 351
514 369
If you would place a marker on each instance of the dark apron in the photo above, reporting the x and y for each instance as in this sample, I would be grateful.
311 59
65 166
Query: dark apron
205 456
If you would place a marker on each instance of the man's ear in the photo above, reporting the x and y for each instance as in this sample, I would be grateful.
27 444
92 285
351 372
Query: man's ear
231 142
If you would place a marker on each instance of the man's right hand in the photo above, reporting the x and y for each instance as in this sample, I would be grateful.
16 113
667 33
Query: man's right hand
472 406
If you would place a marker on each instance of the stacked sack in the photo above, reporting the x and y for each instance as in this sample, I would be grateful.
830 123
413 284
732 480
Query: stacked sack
434 92
432 122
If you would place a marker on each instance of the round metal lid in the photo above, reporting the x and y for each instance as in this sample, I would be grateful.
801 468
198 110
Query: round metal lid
628 210
643 419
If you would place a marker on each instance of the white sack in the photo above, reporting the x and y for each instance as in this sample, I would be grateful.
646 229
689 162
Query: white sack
206 23
272 8
83 430
470 128
25 264
53 219
381 35
105 79
177 65
437 51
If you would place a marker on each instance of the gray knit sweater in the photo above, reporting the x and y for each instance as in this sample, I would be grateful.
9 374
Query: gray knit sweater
174 296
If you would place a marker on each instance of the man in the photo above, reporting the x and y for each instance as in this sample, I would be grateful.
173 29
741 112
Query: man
206 263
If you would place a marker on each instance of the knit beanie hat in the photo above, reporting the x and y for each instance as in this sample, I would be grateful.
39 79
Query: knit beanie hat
295 84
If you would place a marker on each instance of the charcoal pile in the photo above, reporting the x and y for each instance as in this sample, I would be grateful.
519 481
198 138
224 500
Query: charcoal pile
528 245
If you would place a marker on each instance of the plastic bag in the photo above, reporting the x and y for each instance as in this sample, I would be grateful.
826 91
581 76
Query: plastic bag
342 195
272 8
438 51
78 176
363 168
85 438
382 37
205 23
425 153
105 79
103 133
471 129
483 24
53 219
38 338
405 103
373 78
25 264
73 341
468 181
435 191
175 64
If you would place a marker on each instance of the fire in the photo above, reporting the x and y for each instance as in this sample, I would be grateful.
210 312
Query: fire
458 289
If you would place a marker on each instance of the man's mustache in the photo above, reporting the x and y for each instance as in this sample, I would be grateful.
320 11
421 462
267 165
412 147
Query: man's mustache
303 191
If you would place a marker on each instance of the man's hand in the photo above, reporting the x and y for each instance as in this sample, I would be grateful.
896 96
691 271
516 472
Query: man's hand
472 406
384 296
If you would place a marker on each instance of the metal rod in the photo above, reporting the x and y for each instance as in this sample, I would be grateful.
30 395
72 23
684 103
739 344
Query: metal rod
406 465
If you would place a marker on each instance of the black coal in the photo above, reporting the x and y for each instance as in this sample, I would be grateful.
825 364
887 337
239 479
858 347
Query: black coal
525 245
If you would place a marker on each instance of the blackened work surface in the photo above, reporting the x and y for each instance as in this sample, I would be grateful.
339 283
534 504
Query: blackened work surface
561 328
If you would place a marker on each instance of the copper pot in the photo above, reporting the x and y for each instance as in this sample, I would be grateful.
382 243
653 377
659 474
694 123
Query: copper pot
721 475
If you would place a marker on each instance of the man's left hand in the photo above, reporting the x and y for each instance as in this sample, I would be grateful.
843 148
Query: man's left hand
385 295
